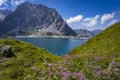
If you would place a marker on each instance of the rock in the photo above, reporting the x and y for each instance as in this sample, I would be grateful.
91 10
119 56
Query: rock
6 51
3 14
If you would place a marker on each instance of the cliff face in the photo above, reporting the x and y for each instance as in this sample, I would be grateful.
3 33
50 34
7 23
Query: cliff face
32 19
3 14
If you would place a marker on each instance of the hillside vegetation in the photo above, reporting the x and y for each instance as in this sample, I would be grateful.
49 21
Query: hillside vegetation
102 54
107 43
26 57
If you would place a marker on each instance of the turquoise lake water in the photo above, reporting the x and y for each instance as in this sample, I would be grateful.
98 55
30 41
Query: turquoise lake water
58 46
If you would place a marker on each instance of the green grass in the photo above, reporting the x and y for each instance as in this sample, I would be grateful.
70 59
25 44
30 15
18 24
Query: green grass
26 55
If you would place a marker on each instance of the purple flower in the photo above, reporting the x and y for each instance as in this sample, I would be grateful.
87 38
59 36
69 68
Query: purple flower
49 64
98 74
78 75
65 75
44 63
60 67
48 70
113 63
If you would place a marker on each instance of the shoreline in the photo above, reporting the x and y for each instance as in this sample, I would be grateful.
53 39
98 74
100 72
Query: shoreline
71 37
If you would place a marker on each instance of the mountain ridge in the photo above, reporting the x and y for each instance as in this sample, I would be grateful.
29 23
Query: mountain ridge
3 14
84 32
97 31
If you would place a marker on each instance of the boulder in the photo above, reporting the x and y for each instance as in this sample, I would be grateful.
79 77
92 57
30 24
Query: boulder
6 51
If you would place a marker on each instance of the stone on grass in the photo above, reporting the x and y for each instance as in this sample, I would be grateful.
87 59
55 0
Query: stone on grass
6 51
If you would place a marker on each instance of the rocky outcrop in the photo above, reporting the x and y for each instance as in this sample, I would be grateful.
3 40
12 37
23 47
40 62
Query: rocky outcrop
6 51
32 19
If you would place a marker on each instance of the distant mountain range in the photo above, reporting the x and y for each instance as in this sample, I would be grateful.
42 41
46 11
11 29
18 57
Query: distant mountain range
97 31
84 32
32 19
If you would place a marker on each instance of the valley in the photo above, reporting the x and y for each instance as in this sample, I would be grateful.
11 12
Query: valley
37 43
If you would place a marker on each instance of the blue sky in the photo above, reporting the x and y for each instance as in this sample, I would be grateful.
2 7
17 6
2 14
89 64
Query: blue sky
79 14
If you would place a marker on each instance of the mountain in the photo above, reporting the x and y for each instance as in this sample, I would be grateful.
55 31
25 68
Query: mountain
105 43
84 32
97 31
4 13
32 19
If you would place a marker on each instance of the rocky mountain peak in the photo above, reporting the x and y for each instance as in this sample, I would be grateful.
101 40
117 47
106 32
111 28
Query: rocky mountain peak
32 19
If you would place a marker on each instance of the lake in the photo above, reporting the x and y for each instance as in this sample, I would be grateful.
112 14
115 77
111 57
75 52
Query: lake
58 46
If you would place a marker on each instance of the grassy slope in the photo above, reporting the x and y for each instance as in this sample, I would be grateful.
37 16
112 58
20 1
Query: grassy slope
99 53
27 56
106 43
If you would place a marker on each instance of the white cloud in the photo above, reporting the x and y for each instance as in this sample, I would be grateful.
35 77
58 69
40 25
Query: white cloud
74 19
88 22
107 17
16 2
2 2
112 22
